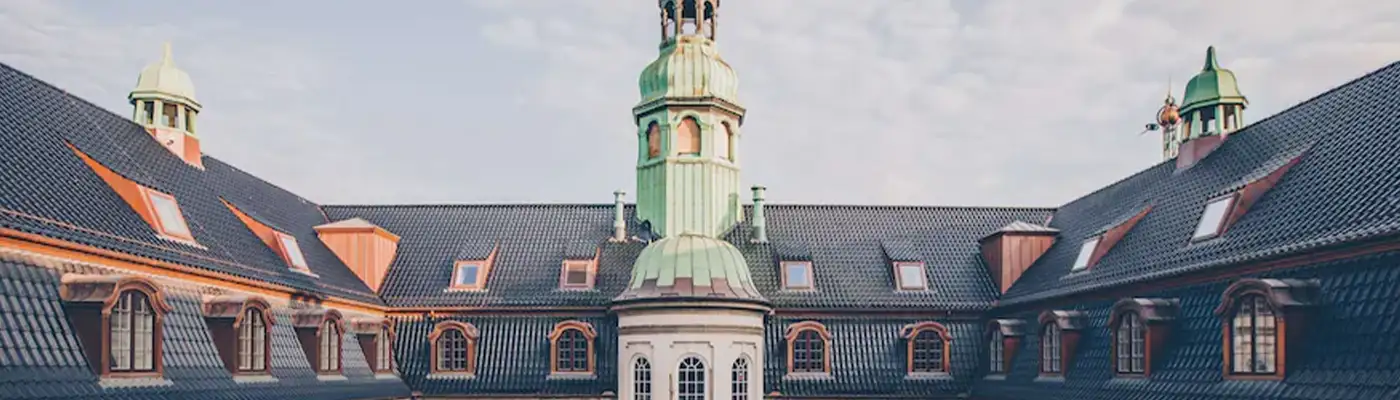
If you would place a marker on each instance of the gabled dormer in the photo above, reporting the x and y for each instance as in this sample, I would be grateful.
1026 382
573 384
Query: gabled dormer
579 271
163 101
281 242
907 265
159 209
1012 249
364 247
795 266
472 267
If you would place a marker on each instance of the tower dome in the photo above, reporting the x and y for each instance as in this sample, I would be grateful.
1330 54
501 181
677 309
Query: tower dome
689 66
1213 85
691 267
162 80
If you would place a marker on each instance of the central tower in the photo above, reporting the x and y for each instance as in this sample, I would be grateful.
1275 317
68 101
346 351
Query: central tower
688 128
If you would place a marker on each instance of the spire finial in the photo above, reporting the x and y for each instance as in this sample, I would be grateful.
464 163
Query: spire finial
1169 97
1210 59
166 58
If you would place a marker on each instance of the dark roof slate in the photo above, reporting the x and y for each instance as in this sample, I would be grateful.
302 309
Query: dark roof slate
46 189
1344 188
844 243
40 357
868 358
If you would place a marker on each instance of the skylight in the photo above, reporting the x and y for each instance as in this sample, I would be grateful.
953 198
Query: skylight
577 275
168 215
797 275
910 275
1213 218
468 275
292 251
1085 252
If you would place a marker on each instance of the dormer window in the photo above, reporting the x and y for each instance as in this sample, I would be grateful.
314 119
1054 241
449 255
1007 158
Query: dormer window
169 219
1212 221
1264 321
469 275
291 252
910 275
577 275
797 275
126 316
1086 251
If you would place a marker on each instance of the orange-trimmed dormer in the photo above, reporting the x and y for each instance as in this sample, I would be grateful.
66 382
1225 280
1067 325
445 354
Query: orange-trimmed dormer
580 267
366 248
1094 248
159 209
285 245
472 267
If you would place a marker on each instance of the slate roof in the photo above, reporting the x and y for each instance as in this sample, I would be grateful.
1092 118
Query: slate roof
1344 188
1353 348
40 357
46 189
868 358
844 243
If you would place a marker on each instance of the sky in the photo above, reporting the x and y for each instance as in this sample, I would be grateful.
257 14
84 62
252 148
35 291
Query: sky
900 102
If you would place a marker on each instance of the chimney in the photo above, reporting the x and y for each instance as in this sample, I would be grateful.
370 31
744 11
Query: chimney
619 223
1012 249
760 230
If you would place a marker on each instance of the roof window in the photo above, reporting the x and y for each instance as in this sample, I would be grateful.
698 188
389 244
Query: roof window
797 275
1212 221
291 251
1086 251
910 276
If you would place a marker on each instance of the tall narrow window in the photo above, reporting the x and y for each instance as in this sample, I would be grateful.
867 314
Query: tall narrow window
1254 337
1131 345
1230 118
383 351
133 337
739 379
150 109
1050 350
688 137
452 351
571 345
169 114
1208 120
722 141
252 341
809 346
653 140
996 359
330 346
691 385
641 379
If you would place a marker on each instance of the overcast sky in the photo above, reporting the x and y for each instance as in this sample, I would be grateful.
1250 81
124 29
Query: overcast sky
925 102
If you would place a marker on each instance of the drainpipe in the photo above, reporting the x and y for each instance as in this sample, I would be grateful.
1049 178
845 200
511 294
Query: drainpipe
619 225
760 231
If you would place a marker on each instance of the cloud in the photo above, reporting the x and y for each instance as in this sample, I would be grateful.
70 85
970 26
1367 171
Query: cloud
949 102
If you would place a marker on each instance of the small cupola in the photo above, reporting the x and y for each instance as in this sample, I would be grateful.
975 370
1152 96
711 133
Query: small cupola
1211 109
164 102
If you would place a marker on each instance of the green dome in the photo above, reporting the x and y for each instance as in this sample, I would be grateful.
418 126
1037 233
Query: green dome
1213 85
691 266
689 66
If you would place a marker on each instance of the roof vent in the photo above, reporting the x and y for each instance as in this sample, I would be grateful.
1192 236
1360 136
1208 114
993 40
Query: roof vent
760 228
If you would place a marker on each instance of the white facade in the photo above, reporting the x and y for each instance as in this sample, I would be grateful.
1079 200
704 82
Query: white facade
667 337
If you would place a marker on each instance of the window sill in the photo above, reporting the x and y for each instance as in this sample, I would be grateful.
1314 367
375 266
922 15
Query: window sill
452 376
928 376
571 376
807 376
133 382
331 378
995 377
261 378
1050 378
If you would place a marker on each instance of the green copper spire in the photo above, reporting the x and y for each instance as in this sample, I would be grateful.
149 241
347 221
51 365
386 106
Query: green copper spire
1212 103
688 128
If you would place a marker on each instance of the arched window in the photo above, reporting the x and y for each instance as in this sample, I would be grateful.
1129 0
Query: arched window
572 343
739 378
252 341
928 347
809 346
1130 341
1254 337
724 141
1050 351
653 140
688 137
996 363
641 379
691 385
133 333
330 346
454 347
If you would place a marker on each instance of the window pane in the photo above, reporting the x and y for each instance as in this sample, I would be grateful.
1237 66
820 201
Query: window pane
467 274
739 379
576 275
293 251
1212 217
168 212
927 352
1085 251
797 276
641 380
692 382
998 352
911 276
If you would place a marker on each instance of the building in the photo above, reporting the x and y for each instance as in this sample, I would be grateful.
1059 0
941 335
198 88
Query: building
1257 261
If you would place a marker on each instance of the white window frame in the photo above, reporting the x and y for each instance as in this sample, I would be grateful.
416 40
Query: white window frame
808 272
1086 253
901 284
173 225
1213 216
292 251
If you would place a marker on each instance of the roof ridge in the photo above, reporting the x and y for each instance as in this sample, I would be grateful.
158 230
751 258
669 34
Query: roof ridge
769 205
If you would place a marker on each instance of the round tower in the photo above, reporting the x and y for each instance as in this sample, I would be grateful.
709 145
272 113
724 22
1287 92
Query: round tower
1213 104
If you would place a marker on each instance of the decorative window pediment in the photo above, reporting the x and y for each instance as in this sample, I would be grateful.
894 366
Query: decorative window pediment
1059 337
320 332
571 345
1264 320
1139 330
928 346
376 338
241 327
120 322
1004 338
454 348
808 348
